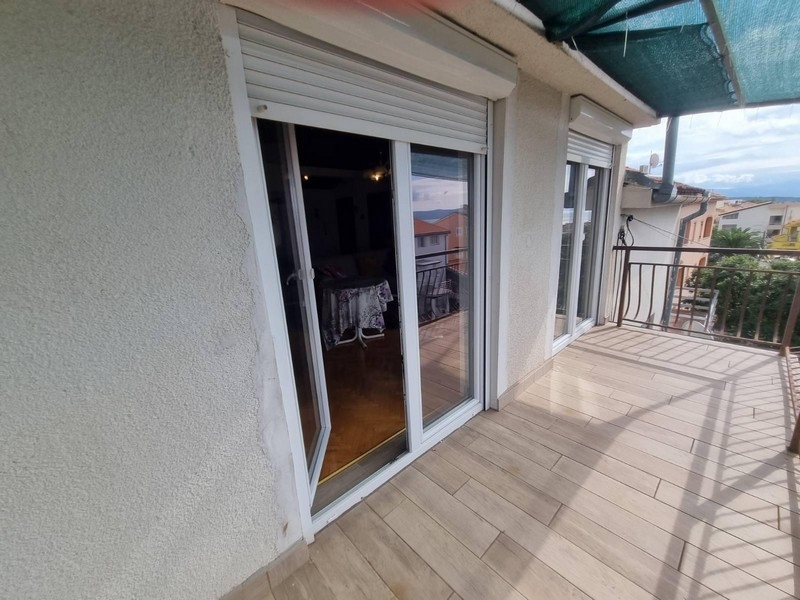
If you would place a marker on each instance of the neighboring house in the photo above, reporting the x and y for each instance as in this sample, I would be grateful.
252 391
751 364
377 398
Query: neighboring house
433 287
658 225
765 218
430 243
789 239
169 415
699 229
457 223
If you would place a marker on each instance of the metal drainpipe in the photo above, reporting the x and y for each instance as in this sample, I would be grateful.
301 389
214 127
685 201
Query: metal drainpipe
676 263
668 191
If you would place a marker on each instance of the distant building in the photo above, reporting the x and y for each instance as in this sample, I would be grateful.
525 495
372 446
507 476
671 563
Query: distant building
765 218
457 223
430 243
658 224
789 239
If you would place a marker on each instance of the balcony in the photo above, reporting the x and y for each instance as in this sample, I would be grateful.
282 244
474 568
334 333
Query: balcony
645 464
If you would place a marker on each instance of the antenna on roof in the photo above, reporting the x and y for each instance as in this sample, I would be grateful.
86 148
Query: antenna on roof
655 160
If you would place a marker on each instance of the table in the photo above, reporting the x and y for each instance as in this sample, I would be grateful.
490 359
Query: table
356 303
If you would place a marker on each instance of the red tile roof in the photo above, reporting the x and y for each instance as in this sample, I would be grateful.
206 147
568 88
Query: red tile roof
424 228
732 208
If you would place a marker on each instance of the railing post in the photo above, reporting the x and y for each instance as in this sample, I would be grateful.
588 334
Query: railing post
794 443
786 343
791 320
626 267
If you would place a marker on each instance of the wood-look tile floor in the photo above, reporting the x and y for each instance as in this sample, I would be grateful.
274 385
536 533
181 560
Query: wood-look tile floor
643 465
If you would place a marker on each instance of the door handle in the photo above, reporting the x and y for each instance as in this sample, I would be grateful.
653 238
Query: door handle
291 278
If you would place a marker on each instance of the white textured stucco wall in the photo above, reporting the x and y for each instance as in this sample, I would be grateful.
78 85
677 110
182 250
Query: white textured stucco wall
661 219
136 375
536 124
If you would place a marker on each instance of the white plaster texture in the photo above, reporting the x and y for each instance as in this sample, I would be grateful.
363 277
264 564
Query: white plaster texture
143 449
664 218
537 128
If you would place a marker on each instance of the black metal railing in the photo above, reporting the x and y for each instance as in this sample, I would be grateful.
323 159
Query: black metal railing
441 279
743 296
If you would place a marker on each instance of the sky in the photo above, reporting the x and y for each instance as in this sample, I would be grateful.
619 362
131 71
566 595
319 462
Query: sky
747 152
438 194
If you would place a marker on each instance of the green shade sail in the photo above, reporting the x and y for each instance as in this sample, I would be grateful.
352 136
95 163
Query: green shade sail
686 56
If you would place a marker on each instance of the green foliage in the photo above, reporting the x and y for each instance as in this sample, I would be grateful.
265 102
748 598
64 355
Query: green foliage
745 291
735 238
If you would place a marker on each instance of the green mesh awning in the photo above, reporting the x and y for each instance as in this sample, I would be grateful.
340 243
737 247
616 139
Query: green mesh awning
686 56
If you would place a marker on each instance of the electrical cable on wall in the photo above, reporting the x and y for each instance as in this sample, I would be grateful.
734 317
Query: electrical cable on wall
621 236
665 232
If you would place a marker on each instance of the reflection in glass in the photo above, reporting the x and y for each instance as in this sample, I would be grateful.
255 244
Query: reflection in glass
591 216
442 189
567 236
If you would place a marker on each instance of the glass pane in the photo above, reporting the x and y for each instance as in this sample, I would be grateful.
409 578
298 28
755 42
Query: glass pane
288 253
591 216
442 191
567 235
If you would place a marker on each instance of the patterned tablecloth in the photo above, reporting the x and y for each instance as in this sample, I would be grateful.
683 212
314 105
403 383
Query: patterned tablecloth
353 303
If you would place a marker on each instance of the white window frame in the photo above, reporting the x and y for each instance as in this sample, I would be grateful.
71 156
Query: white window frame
575 330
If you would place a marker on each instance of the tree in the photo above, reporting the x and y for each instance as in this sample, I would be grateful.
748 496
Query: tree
752 295
736 238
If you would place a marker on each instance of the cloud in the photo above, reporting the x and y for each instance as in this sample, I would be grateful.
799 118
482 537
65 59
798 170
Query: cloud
705 178
753 150
437 194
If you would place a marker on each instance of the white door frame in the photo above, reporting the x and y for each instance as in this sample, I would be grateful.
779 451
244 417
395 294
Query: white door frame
263 240
407 288
306 278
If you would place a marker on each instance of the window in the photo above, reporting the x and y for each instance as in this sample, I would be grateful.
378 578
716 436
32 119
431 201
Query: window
420 242
445 180
775 220
585 198
731 216
459 231
708 227
727 227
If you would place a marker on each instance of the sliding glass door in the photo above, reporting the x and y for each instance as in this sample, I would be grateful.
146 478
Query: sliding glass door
583 214
376 247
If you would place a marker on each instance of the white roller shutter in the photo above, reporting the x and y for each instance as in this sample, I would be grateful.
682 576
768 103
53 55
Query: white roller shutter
589 151
296 79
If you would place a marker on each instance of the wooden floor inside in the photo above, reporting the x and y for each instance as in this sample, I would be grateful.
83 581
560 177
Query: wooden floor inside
644 465
365 387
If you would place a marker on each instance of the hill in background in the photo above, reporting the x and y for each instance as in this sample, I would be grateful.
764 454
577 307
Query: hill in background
766 198
434 215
